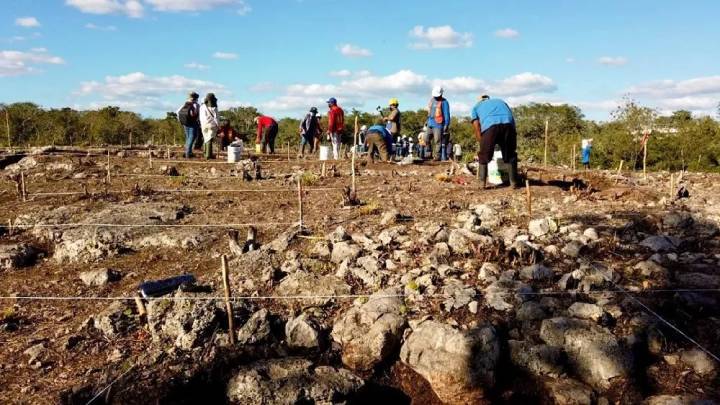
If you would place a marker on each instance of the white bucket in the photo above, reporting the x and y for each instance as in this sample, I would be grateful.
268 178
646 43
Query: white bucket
324 152
495 175
234 153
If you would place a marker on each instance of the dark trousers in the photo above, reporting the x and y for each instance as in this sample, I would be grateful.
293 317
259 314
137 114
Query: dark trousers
268 139
500 134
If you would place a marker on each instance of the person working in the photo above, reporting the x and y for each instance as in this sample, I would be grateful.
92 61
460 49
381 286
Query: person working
188 115
267 130
209 123
309 129
227 135
494 124
336 126
586 149
378 139
438 122
393 119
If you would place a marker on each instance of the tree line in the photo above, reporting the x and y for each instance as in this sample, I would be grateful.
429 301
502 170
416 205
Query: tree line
679 141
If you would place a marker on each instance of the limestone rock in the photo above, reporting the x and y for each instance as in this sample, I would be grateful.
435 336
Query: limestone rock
301 333
291 381
371 332
461 241
569 392
99 277
585 311
536 359
185 323
459 365
592 351
256 329
344 250
699 361
304 283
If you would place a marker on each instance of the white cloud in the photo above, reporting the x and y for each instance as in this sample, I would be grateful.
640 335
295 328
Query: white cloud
16 63
194 5
225 55
612 60
699 95
196 66
523 84
439 37
131 8
27 22
353 51
570 60
674 89
507 33
142 93
407 84
341 73
92 26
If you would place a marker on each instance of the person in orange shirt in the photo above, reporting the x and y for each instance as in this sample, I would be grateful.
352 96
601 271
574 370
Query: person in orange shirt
267 130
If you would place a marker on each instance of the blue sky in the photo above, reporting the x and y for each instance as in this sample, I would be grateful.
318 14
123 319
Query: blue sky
284 56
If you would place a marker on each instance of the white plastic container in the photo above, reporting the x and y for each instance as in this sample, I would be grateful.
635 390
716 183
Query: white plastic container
234 152
324 152
495 174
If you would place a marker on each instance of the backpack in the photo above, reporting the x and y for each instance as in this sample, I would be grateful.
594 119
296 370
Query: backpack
187 114
309 125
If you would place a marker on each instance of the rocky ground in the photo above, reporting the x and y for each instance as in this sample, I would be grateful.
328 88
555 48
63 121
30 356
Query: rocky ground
432 291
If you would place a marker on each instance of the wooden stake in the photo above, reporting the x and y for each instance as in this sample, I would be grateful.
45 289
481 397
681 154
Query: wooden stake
620 168
288 146
322 170
353 154
7 127
23 190
645 159
574 159
142 311
228 305
108 166
300 200
529 197
150 157
547 123
10 227
672 194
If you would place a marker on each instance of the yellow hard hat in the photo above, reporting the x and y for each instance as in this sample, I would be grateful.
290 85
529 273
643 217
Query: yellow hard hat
394 101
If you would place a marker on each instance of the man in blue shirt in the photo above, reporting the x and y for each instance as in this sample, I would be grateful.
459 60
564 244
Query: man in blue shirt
494 124
378 138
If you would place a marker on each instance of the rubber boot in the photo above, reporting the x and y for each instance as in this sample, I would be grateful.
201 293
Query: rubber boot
483 174
514 179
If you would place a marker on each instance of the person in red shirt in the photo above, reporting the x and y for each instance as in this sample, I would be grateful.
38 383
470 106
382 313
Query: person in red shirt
336 126
267 130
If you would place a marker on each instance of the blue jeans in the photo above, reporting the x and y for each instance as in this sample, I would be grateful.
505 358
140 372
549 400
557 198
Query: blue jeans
191 134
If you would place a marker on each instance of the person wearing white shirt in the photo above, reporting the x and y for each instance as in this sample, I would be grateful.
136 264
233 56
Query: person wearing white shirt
209 123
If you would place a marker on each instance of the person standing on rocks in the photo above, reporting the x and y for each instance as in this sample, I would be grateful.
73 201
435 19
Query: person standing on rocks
188 115
267 130
209 123
336 126
438 123
494 124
